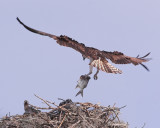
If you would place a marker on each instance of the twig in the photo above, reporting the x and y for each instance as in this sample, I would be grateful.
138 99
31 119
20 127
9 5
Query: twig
60 115
74 124
62 121
40 107
116 115
123 106
61 99
43 118
44 101
52 103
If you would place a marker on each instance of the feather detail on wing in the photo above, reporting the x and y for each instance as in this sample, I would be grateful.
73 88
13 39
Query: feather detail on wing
120 58
36 31
105 66
61 40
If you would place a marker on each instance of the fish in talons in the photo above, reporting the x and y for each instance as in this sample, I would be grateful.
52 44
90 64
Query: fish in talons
82 83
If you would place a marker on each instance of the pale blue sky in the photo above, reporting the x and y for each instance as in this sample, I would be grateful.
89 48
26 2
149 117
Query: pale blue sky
32 64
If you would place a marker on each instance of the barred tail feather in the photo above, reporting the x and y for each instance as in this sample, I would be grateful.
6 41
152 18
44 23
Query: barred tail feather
113 69
105 66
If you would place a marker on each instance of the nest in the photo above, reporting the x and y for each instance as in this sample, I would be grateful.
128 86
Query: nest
67 114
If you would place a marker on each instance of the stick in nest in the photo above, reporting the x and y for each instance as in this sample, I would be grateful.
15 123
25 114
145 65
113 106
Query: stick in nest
44 101
62 121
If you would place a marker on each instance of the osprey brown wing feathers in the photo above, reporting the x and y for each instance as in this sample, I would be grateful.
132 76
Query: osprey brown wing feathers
69 42
36 31
97 57
61 40
120 58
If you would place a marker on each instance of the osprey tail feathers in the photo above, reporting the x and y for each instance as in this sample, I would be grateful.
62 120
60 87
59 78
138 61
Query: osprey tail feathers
105 66
113 69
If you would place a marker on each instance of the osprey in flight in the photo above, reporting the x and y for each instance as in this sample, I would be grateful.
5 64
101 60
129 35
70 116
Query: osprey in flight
97 58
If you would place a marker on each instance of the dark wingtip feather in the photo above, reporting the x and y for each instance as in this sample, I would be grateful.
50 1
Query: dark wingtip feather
145 67
146 55
36 31
19 21
143 56
30 29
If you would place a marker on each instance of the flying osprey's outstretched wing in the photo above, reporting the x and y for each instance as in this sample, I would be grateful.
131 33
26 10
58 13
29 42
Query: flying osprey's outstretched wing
61 40
119 58
97 57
